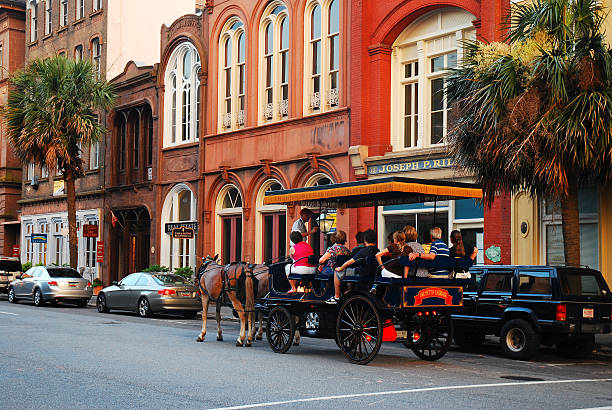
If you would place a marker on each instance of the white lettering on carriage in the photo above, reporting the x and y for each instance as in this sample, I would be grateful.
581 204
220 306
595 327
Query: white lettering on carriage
417 390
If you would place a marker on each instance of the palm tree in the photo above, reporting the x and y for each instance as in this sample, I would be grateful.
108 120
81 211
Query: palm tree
51 114
535 113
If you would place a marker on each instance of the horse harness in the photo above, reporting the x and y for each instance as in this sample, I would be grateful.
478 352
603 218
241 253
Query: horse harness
226 287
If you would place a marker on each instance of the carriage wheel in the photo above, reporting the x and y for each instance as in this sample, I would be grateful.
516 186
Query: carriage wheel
431 336
359 329
280 330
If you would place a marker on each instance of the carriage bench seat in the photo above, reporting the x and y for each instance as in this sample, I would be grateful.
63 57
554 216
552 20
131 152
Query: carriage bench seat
419 281
297 276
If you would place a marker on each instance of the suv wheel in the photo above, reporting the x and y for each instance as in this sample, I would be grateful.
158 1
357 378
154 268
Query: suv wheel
38 298
11 296
519 340
577 347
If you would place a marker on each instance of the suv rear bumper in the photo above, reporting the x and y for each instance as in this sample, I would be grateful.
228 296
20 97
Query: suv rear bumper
578 328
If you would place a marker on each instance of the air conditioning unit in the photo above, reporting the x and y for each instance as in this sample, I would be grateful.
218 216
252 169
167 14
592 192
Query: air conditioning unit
34 182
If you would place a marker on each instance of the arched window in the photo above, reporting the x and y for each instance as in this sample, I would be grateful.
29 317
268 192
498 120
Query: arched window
421 55
180 208
270 225
232 75
229 224
182 98
322 55
96 54
274 57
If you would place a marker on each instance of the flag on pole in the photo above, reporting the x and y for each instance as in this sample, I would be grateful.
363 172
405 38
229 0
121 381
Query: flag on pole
114 219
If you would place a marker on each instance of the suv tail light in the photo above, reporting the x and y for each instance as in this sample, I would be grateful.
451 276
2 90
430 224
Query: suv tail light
167 292
52 283
561 312
89 284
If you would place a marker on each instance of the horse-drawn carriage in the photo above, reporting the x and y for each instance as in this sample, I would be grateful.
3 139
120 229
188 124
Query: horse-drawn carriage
414 310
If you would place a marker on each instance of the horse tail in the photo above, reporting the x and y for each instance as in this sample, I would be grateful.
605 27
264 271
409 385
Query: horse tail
249 291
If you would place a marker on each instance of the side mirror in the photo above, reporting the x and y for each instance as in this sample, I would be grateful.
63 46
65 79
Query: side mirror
115 283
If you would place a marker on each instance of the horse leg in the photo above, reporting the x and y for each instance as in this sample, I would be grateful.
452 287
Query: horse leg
260 330
205 301
297 338
250 308
241 314
218 317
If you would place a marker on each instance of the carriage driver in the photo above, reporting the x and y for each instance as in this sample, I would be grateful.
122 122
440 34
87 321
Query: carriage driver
300 224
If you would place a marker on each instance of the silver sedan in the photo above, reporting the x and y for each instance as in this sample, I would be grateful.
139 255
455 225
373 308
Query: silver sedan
147 293
51 284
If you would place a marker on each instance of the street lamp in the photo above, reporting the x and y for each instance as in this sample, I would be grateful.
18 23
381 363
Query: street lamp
326 222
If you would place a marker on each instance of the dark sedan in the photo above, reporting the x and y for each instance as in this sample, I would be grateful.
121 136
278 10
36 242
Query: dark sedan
147 293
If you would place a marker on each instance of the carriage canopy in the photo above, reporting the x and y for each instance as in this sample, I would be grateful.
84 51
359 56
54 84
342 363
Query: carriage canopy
374 192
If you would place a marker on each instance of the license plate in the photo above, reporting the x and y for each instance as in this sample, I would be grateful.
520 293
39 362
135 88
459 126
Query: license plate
185 293
402 334
588 313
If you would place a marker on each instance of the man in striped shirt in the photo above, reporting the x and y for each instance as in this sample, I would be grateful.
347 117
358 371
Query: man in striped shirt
437 248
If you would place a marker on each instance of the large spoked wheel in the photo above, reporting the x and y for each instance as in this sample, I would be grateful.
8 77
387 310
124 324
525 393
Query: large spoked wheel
431 336
280 330
144 308
359 329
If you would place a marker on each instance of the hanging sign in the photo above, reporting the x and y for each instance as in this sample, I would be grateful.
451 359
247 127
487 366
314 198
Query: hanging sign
100 252
90 231
182 233
16 252
39 238
187 224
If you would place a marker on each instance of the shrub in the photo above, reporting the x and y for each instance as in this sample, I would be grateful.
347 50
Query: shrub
185 272
26 266
157 268
97 282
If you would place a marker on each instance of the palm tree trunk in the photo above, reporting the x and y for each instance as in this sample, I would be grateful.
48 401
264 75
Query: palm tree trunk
571 222
72 228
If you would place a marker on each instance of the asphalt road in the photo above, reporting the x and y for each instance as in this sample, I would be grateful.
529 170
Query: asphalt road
66 357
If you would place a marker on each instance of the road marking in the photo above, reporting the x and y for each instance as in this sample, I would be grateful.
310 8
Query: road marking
598 408
9 313
418 390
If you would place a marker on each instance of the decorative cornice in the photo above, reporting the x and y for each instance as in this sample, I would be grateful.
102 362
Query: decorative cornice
376 49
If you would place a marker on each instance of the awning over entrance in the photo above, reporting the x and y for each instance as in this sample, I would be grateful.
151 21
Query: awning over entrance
383 191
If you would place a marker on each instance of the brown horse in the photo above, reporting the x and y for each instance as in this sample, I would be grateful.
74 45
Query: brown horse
217 280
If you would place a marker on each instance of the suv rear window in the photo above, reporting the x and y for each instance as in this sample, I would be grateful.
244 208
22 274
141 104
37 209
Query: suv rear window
63 273
581 283
534 282
498 281
10 266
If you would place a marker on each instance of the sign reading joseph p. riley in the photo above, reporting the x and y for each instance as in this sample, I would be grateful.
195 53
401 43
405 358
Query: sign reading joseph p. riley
176 225
404 166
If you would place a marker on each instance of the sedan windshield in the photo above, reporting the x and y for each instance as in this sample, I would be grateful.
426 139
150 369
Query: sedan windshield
170 280
582 283
63 273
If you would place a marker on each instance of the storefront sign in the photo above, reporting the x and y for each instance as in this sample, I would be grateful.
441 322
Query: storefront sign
182 233
16 252
58 187
100 252
405 166
175 225
39 238
90 231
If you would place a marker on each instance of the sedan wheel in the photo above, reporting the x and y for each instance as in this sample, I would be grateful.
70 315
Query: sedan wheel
11 296
144 309
101 303
38 299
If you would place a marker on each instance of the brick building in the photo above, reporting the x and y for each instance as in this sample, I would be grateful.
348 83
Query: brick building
399 54
110 33
12 49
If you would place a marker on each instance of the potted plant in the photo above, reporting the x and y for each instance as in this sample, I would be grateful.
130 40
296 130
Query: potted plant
97 286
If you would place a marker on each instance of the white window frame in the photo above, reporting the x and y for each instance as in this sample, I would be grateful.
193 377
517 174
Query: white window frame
432 41
170 246
48 17
78 52
97 5
275 15
94 155
235 117
63 22
327 98
79 9
96 55
180 126
33 6
556 219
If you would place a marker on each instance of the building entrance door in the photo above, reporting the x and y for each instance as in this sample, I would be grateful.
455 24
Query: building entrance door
130 251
